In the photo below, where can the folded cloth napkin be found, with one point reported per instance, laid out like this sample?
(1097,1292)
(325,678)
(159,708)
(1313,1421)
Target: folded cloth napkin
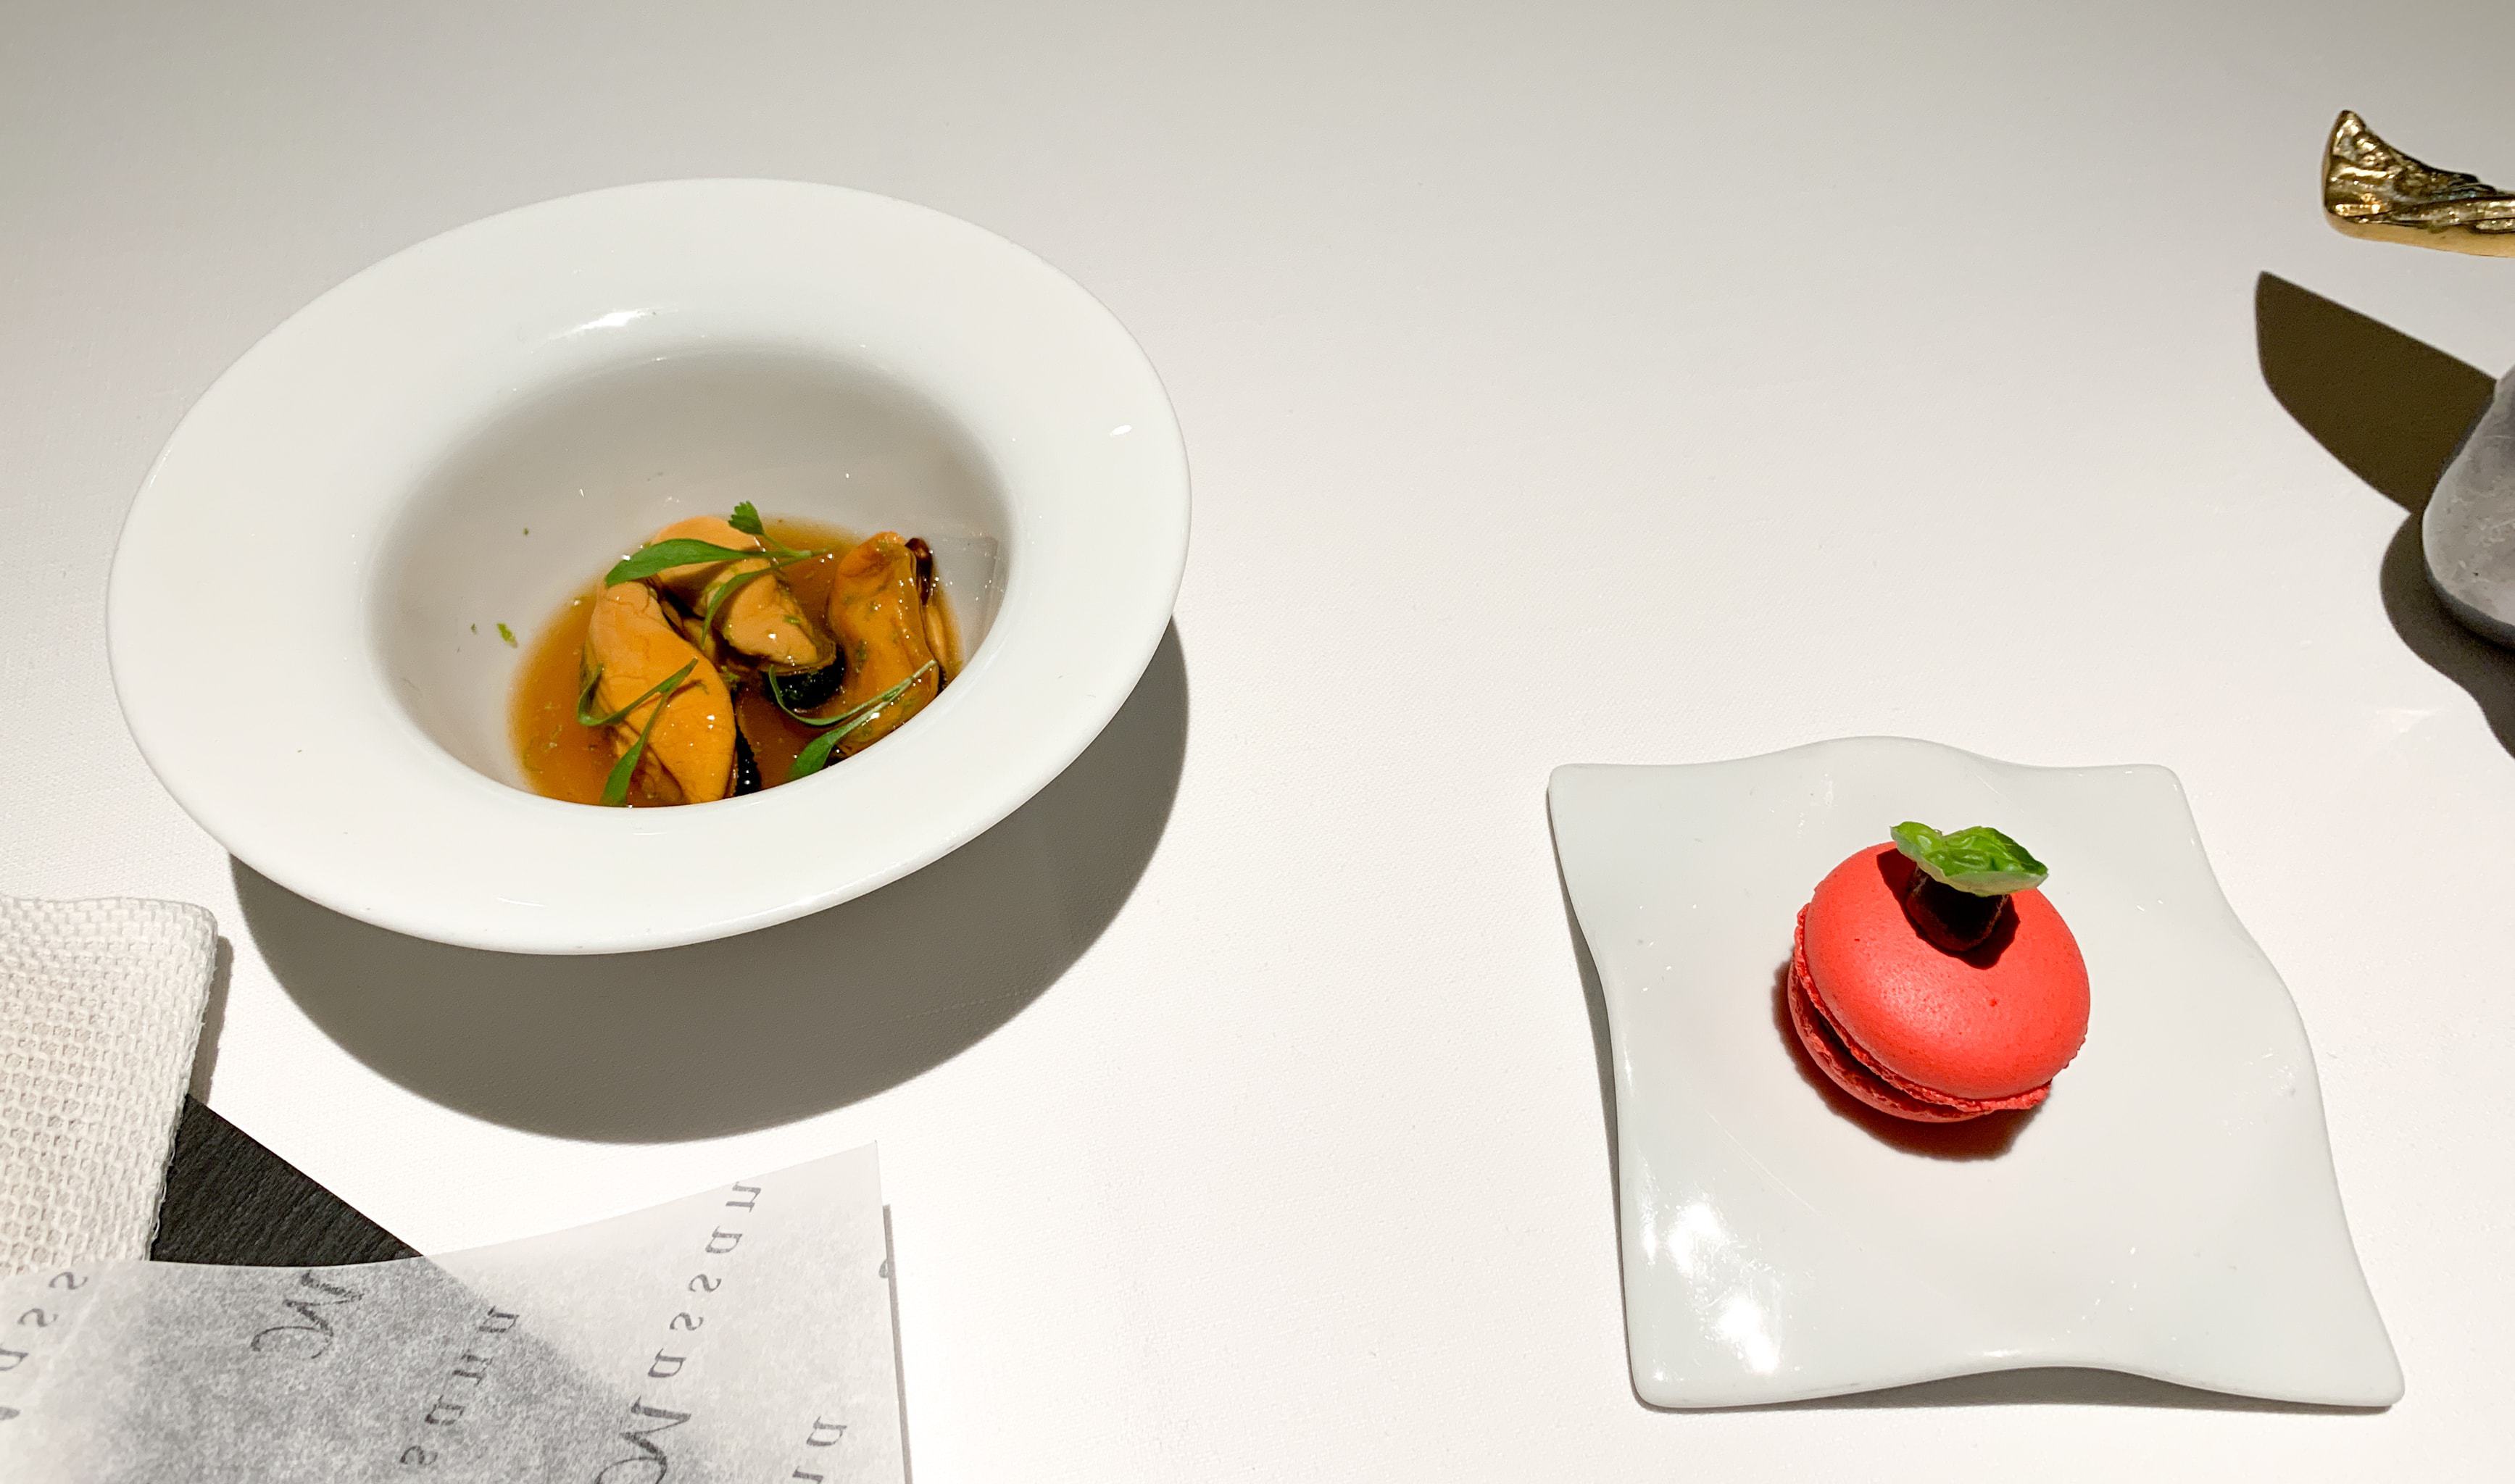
(100,1008)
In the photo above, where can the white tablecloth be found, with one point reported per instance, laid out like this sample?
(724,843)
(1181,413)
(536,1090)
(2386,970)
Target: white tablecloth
(1564,384)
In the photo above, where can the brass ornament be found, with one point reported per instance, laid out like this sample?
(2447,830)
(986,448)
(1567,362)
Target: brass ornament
(2371,189)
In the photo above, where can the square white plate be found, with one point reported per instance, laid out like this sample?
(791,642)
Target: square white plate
(2171,1212)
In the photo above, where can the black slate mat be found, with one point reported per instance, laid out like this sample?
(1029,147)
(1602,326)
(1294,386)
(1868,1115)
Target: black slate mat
(230,1199)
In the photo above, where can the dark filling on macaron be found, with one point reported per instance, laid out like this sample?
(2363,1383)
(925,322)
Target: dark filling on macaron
(1948,919)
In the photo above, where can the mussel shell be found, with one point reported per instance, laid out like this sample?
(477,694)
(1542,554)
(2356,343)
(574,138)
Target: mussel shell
(811,688)
(746,768)
(923,556)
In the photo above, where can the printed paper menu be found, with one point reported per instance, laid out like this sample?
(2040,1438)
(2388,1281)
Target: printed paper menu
(740,1334)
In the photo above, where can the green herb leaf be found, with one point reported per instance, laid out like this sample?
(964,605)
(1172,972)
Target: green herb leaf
(666,686)
(586,680)
(506,633)
(816,756)
(746,519)
(615,784)
(663,555)
(779,695)
(852,712)
(1980,860)
(724,589)
(733,583)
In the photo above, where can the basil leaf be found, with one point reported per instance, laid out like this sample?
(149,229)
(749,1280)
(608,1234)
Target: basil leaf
(1980,860)
(663,555)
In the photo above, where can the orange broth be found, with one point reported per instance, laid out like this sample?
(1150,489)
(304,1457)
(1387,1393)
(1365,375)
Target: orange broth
(564,759)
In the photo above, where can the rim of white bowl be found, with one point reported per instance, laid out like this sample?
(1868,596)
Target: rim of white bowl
(310,442)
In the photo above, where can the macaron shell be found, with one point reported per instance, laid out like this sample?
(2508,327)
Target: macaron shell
(1834,1059)
(1850,1068)
(1991,1024)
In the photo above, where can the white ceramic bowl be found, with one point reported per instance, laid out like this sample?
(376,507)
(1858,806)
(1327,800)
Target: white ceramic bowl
(303,610)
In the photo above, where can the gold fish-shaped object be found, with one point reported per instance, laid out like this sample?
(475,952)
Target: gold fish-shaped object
(2371,189)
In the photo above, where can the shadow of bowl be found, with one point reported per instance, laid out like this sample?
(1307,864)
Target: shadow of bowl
(750,1031)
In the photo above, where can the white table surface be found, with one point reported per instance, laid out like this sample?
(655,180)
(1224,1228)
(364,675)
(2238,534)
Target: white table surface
(1564,384)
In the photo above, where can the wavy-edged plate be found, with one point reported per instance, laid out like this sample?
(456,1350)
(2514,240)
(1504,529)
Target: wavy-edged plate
(2171,1212)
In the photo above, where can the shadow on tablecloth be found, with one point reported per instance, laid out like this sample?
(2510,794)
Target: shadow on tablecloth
(772,1026)
(2392,410)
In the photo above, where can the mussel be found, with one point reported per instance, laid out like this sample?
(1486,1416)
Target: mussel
(877,610)
(633,647)
(669,655)
(760,617)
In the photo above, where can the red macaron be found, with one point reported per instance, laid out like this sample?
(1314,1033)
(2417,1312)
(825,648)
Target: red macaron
(1912,1029)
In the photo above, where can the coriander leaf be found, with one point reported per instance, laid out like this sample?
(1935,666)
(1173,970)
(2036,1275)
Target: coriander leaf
(1980,860)
(746,519)
(664,555)
(506,633)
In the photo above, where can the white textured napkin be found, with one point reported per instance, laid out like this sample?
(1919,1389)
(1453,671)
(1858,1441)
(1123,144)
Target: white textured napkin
(99,1008)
